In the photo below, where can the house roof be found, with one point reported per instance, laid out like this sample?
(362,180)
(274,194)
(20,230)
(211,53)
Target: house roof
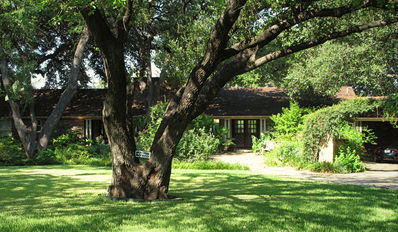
(229,102)
(264,101)
(86,102)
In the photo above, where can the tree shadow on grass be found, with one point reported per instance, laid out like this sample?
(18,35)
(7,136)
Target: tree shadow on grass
(214,201)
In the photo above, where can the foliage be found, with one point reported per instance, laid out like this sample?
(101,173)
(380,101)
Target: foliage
(290,121)
(197,144)
(11,151)
(355,139)
(389,107)
(68,148)
(348,161)
(202,138)
(259,143)
(361,61)
(293,146)
(69,137)
(321,167)
(45,157)
(326,122)
(290,153)
(207,123)
(146,135)
(78,153)
(286,153)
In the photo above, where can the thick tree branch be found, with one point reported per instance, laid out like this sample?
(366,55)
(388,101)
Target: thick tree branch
(274,30)
(217,43)
(98,27)
(320,40)
(21,128)
(246,61)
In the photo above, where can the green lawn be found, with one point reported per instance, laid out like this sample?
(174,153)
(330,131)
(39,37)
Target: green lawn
(65,198)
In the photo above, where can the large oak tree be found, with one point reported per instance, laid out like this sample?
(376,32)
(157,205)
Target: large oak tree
(246,35)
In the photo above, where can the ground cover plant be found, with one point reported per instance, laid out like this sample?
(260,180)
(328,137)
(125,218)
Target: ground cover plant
(65,198)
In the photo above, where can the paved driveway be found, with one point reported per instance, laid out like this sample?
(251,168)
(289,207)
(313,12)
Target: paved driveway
(381,175)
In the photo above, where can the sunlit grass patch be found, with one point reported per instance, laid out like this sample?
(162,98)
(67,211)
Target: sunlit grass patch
(65,198)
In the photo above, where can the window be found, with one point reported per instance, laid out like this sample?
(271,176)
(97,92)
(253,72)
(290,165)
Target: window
(5,127)
(252,125)
(239,126)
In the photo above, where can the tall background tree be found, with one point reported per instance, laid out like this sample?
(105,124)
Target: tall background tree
(31,43)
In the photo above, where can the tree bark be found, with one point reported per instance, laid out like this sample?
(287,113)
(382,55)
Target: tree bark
(26,135)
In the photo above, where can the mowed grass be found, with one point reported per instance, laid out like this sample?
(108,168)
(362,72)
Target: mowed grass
(65,198)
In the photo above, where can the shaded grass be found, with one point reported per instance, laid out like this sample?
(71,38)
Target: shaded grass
(65,198)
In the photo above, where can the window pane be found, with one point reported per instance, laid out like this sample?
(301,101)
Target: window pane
(239,126)
(252,124)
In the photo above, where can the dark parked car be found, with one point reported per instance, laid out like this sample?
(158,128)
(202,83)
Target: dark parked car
(386,153)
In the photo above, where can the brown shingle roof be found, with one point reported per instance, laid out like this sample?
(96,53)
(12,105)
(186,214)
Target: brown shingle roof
(86,102)
(264,101)
(229,102)
(248,101)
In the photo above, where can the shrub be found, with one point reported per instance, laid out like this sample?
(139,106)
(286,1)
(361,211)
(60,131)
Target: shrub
(259,143)
(197,144)
(70,137)
(11,152)
(290,121)
(72,148)
(347,161)
(300,136)
(287,152)
(202,138)
(320,167)
(46,157)
(83,154)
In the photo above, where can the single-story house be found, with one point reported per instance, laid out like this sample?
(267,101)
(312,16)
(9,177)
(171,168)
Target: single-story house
(244,111)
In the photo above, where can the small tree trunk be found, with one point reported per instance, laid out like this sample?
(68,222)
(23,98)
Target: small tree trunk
(26,136)
(67,94)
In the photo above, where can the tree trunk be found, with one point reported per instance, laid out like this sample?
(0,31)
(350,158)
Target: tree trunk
(26,135)
(67,94)
(149,180)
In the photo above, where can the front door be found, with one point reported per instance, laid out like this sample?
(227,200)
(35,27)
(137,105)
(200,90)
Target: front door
(243,130)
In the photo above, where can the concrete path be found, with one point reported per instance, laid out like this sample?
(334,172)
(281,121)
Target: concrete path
(381,175)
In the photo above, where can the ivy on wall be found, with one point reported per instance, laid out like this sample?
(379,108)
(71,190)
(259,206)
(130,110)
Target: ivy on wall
(325,123)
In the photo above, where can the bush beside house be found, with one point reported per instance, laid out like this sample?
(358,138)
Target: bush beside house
(301,133)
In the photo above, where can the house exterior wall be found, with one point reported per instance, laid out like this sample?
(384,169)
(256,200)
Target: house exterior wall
(5,127)
(328,151)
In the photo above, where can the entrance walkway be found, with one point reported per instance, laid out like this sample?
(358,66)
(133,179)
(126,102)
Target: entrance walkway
(381,175)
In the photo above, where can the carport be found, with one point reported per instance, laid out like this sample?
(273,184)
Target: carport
(387,134)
